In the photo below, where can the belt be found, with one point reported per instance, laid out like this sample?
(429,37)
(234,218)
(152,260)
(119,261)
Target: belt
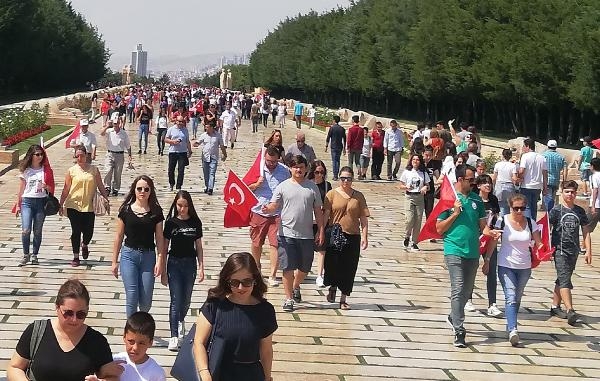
(121,152)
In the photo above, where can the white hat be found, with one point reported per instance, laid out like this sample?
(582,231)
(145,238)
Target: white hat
(552,144)
(84,122)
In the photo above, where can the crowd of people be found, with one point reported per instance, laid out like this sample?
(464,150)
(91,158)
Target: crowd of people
(300,213)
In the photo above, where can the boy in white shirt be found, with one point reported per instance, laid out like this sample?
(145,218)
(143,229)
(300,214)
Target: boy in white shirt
(138,337)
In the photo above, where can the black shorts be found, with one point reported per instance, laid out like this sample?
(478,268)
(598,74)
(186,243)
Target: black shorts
(565,266)
(295,254)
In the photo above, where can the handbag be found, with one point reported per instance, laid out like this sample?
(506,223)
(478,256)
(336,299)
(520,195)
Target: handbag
(334,235)
(51,205)
(101,207)
(184,368)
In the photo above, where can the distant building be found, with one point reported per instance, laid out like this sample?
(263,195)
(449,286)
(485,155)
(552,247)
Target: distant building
(139,61)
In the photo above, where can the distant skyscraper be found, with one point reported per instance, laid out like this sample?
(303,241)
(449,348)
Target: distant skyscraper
(139,61)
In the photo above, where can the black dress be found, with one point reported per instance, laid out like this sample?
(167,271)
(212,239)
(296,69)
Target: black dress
(242,327)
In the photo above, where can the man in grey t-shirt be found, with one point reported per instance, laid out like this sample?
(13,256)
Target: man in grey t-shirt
(299,199)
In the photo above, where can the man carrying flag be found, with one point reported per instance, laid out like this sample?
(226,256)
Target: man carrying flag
(460,228)
(263,225)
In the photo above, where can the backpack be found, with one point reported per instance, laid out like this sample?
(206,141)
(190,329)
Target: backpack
(535,262)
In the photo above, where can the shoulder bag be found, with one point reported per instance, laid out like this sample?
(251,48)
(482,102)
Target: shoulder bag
(51,205)
(39,327)
(334,236)
(101,208)
(184,368)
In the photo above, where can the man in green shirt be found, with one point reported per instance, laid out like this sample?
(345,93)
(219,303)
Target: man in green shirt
(461,227)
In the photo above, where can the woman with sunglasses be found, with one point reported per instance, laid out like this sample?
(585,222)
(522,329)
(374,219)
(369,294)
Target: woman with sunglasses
(516,231)
(183,231)
(69,349)
(140,223)
(347,207)
(237,312)
(276,140)
(36,182)
(318,174)
(77,198)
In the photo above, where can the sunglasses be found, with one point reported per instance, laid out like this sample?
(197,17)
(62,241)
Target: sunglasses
(140,189)
(80,315)
(519,208)
(469,179)
(235,283)
(344,178)
(38,154)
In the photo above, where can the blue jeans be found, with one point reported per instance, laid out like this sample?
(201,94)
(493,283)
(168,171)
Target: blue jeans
(548,198)
(532,196)
(137,272)
(143,133)
(513,283)
(335,159)
(182,275)
(462,273)
(194,121)
(209,169)
(32,215)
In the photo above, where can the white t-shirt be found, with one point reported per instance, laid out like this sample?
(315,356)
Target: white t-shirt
(148,371)
(312,112)
(161,122)
(228,118)
(414,180)
(514,250)
(595,183)
(504,171)
(448,168)
(534,165)
(34,178)
(366,148)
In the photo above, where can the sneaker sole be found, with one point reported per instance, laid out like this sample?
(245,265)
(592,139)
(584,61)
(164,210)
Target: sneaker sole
(460,345)
(573,320)
(514,340)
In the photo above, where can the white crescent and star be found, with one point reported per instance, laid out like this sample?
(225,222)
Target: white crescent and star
(239,190)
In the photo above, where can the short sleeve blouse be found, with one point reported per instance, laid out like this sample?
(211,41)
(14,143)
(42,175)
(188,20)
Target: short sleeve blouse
(140,229)
(346,212)
(83,188)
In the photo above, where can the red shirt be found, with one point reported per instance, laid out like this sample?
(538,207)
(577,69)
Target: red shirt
(356,137)
(377,139)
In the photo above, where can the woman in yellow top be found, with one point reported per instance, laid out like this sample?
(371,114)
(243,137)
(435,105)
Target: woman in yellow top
(348,208)
(77,197)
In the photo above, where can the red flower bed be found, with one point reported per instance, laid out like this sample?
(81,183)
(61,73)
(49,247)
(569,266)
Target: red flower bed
(23,135)
(319,123)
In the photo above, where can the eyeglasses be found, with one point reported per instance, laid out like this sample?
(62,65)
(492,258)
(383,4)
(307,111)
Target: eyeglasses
(319,172)
(235,283)
(519,208)
(38,154)
(80,315)
(145,189)
(344,178)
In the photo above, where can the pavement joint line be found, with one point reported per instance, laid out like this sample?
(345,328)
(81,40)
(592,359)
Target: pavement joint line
(530,361)
(538,352)
(33,274)
(5,318)
(317,340)
(449,374)
(388,322)
(497,366)
(14,292)
(15,305)
(486,326)
(361,360)
(368,327)
(384,353)
(296,317)
(405,336)
(580,373)
(341,377)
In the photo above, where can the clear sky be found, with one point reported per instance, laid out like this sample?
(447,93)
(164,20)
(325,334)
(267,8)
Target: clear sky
(189,27)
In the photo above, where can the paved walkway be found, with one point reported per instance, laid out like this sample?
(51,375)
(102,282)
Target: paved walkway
(395,331)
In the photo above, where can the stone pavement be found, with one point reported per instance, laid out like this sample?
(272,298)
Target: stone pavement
(396,329)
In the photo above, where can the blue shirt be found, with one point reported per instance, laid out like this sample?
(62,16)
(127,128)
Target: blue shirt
(298,109)
(265,191)
(176,133)
(555,162)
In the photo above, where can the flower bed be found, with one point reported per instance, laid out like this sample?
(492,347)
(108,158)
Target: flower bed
(17,125)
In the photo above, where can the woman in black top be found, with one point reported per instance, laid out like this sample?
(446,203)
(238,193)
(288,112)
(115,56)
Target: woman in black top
(276,141)
(141,223)
(145,120)
(69,350)
(318,174)
(240,315)
(183,229)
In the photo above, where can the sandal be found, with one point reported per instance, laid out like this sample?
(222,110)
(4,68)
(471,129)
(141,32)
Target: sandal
(331,295)
(344,306)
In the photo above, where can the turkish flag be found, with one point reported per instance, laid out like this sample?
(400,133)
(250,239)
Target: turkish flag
(74,135)
(544,254)
(256,169)
(484,240)
(596,143)
(447,199)
(240,200)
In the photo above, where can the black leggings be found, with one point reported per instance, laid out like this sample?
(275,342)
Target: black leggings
(160,138)
(265,119)
(82,223)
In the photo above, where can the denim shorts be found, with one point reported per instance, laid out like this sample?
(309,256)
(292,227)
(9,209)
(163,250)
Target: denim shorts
(364,161)
(585,174)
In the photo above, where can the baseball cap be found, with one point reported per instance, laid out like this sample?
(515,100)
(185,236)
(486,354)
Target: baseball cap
(552,143)
(84,122)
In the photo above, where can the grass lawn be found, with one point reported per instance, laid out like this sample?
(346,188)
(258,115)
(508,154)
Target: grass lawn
(47,135)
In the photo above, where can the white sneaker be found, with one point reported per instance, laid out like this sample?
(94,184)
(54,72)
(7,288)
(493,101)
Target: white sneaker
(513,338)
(319,281)
(494,311)
(181,330)
(470,307)
(173,344)
(273,282)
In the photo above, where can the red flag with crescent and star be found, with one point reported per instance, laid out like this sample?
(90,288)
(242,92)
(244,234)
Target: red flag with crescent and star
(240,200)
(447,198)
(74,135)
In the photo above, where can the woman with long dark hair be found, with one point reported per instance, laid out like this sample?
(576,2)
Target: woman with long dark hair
(318,174)
(415,181)
(145,119)
(276,140)
(347,207)
(240,315)
(183,230)
(140,222)
(36,182)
